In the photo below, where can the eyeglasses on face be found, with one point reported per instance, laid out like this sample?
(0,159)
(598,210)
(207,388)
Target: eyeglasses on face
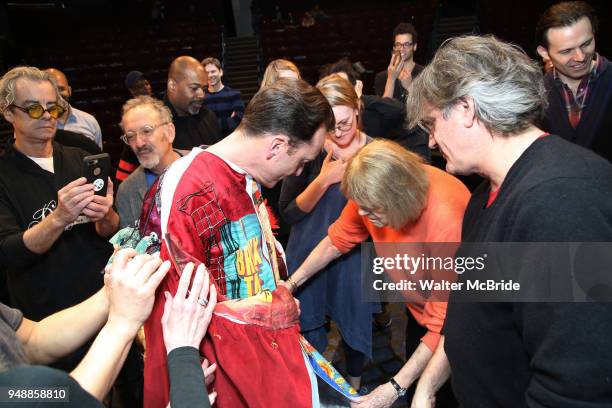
(344,127)
(399,45)
(426,126)
(36,111)
(146,131)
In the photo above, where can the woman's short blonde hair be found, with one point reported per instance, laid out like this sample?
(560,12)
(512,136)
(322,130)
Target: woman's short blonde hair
(383,176)
(272,71)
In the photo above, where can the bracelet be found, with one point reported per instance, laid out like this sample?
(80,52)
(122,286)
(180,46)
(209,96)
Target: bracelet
(292,283)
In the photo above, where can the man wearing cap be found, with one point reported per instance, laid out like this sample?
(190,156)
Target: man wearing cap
(75,120)
(137,84)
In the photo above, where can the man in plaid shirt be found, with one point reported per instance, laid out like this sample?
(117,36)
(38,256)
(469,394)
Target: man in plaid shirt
(580,83)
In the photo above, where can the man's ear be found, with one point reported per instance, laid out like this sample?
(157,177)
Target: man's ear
(543,52)
(276,145)
(414,47)
(171,132)
(468,111)
(171,84)
(8,115)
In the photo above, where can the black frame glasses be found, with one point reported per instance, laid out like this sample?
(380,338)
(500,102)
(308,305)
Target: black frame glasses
(399,46)
(36,111)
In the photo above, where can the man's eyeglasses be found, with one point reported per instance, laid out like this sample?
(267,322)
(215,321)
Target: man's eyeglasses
(37,110)
(146,131)
(425,126)
(399,45)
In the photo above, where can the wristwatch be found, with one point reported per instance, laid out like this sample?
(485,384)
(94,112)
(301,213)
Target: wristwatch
(400,391)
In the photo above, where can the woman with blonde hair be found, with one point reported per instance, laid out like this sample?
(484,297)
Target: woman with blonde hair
(311,202)
(394,198)
(279,68)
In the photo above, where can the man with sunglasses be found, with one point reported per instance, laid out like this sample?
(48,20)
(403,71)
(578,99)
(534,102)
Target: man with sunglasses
(149,133)
(53,229)
(394,82)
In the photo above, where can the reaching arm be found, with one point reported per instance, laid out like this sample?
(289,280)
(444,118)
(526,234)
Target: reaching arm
(385,395)
(184,323)
(321,255)
(433,377)
(63,332)
(131,282)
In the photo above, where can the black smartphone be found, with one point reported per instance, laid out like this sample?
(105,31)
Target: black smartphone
(96,170)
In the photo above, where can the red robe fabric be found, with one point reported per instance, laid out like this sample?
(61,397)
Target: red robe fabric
(211,213)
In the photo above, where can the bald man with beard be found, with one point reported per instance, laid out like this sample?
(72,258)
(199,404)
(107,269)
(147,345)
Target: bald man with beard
(195,124)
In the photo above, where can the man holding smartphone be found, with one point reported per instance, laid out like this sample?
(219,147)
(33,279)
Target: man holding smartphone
(53,228)
(394,82)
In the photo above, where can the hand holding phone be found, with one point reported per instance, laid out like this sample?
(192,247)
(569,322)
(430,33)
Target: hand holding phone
(96,170)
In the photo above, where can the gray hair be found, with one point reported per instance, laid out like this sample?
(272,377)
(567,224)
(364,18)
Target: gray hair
(8,81)
(506,86)
(144,100)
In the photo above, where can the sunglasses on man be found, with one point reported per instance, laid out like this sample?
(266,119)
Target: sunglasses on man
(37,110)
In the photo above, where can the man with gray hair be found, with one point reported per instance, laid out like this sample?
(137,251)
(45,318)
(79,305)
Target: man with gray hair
(480,100)
(53,229)
(149,132)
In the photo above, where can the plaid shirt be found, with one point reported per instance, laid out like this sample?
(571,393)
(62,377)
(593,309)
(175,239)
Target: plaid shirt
(574,104)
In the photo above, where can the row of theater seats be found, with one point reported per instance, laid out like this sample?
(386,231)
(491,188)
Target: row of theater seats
(362,35)
(96,65)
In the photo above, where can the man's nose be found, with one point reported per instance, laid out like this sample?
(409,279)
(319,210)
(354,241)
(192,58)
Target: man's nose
(579,55)
(432,142)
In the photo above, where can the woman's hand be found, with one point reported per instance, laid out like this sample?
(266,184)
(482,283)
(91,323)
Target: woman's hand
(332,170)
(187,315)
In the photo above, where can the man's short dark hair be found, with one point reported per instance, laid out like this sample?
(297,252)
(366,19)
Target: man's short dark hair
(563,15)
(289,107)
(211,60)
(405,28)
(342,65)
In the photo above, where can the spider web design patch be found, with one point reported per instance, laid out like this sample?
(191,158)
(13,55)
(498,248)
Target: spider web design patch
(212,227)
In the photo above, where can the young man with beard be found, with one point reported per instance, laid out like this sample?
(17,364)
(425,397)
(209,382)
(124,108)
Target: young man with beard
(149,132)
(580,83)
(394,82)
(224,101)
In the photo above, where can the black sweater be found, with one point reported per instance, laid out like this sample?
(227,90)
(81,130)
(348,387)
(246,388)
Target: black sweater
(69,272)
(537,354)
